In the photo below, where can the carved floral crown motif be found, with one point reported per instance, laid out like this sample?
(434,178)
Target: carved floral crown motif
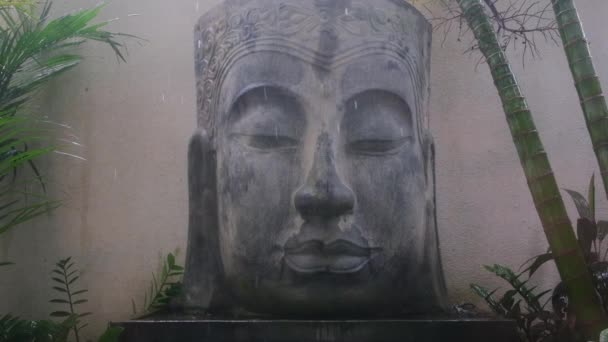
(219,35)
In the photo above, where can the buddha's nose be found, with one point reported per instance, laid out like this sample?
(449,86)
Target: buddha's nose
(324,194)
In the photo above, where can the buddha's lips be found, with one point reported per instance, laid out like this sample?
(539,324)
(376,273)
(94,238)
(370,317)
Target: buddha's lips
(339,256)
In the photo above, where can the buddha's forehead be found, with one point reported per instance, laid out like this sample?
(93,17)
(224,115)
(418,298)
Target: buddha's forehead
(307,80)
(348,44)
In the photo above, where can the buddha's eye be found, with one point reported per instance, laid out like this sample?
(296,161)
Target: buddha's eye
(377,146)
(267,142)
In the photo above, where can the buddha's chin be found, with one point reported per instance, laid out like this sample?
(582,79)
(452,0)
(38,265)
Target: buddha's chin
(320,295)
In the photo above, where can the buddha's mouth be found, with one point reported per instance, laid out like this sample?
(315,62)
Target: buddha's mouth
(339,256)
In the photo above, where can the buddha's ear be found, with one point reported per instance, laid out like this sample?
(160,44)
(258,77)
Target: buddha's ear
(432,250)
(428,154)
(202,279)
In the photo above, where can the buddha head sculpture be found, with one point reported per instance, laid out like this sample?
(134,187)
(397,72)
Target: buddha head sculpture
(311,173)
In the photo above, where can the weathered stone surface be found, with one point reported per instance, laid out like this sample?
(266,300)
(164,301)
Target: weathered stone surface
(421,330)
(311,173)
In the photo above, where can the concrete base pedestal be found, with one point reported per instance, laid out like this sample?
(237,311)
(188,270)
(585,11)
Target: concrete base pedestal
(398,330)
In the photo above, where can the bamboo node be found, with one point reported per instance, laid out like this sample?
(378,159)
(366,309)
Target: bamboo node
(594,121)
(571,64)
(591,98)
(519,111)
(567,252)
(558,14)
(574,41)
(538,178)
(548,201)
(600,145)
(585,79)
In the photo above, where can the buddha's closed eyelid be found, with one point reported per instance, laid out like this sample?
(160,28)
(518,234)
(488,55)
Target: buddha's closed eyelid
(378,147)
(263,142)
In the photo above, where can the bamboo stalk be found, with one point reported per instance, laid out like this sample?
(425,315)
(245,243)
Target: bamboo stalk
(542,184)
(586,80)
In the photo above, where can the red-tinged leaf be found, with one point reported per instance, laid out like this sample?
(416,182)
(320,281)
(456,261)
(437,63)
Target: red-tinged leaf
(602,230)
(582,206)
(586,231)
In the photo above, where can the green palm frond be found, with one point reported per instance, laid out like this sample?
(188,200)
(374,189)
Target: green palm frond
(34,49)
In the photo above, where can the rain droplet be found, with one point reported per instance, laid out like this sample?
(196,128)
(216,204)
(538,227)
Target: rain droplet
(133,15)
(356,105)
(197,6)
(163,98)
(276,133)
(265,95)
(199,43)
(346,11)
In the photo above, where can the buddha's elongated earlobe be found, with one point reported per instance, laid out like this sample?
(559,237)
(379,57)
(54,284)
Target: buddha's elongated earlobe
(203,264)
(432,250)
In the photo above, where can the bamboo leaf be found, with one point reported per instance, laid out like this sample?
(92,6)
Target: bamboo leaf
(80,301)
(60,314)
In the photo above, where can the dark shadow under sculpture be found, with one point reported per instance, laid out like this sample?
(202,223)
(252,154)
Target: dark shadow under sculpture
(311,172)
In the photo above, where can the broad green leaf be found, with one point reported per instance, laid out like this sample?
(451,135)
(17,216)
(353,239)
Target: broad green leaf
(112,334)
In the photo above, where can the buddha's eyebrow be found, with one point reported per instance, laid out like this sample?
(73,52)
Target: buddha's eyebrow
(373,92)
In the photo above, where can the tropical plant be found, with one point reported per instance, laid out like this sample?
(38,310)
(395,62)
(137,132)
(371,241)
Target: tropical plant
(591,234)
(34,50)
(570,262)
(15,329)
(65,276)
(163,288)
(586,81)
(527,306)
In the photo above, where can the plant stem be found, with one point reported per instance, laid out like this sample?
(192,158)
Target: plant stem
(586,81)
(539,175)
(69,292)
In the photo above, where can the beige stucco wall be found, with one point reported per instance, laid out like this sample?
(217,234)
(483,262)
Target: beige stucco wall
(126,205)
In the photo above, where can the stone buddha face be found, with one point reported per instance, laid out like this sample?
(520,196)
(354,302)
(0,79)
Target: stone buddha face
(312,177)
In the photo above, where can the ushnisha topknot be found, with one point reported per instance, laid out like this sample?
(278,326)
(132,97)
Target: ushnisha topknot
(322,32)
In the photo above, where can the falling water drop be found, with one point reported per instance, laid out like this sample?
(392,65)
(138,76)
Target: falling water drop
(276,133)
(265,95)
(163,97)
(346,11)
(197,5)
(356,106)
(199,43)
